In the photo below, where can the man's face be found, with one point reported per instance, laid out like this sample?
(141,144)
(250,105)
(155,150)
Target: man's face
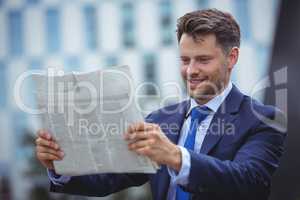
(204,66)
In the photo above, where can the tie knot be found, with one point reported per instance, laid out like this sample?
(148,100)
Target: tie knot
(200,113)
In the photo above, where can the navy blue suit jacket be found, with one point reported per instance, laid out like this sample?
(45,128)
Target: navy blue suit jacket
(237,159)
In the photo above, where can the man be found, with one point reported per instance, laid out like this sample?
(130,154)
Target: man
(215,145)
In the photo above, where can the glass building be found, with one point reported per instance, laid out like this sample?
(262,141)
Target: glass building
(84,35)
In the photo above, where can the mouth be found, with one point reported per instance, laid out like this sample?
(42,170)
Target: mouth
(194,82)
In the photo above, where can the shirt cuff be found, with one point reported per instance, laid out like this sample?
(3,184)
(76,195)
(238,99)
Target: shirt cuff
(182,178)
(57,179)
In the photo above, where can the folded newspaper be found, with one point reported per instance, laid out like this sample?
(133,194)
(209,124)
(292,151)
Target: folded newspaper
(88,113)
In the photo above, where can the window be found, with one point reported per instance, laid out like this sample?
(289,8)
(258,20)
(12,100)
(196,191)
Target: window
(128,24)
(53,30)
(150,73)
(33,2)
(91,26)
(35,64)
(168,31)
(72,63)
(15,32)
(111,60)
(243,18)
(203,4)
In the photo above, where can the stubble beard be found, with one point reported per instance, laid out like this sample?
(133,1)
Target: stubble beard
(208,89)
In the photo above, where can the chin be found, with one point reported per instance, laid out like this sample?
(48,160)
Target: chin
(202,93)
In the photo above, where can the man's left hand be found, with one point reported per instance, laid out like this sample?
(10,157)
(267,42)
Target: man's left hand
(148,139)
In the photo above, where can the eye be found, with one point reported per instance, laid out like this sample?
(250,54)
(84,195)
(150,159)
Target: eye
(204,60)
(185,61)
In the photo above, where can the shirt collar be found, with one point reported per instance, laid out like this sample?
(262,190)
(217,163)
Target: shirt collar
(215,102)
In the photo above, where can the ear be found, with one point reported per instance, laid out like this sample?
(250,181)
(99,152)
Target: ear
(233,57)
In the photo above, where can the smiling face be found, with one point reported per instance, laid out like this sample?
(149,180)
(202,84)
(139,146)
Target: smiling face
(204,66)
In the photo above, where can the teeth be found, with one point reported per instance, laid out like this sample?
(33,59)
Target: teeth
(197,80)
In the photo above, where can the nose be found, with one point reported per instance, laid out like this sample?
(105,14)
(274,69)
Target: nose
(192,68)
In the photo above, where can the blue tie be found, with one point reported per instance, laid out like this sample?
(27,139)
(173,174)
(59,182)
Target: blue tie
(198,114)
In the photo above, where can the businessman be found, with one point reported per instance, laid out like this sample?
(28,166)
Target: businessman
(221,146)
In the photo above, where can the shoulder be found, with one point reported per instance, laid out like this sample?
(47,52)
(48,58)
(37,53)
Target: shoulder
(261,114)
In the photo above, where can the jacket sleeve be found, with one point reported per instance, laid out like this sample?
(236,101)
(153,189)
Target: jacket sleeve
(248,175)
(99,185)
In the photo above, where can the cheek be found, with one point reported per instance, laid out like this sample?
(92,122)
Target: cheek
(215,71)
(218,77)
(183,71)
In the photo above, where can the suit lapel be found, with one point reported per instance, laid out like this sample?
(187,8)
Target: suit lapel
(222,120)
(175,121)
(216,130)
(173,124)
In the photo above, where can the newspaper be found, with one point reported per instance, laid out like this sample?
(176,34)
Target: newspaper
(88,113)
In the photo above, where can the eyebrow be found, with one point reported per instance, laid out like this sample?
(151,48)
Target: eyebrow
(204,56)
(199,56)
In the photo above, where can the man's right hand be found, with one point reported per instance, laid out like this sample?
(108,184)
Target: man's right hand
(47,150)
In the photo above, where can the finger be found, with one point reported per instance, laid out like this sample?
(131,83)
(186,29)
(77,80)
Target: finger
(42,149)
(47,156)
(145,151)
(44,134)
(140,144)
(48,143)
(138,135)
(135,127)
(141,126)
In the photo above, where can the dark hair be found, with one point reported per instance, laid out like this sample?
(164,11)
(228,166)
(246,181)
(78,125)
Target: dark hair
(201,22)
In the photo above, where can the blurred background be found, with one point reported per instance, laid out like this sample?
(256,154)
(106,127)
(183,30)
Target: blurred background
(81,35)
